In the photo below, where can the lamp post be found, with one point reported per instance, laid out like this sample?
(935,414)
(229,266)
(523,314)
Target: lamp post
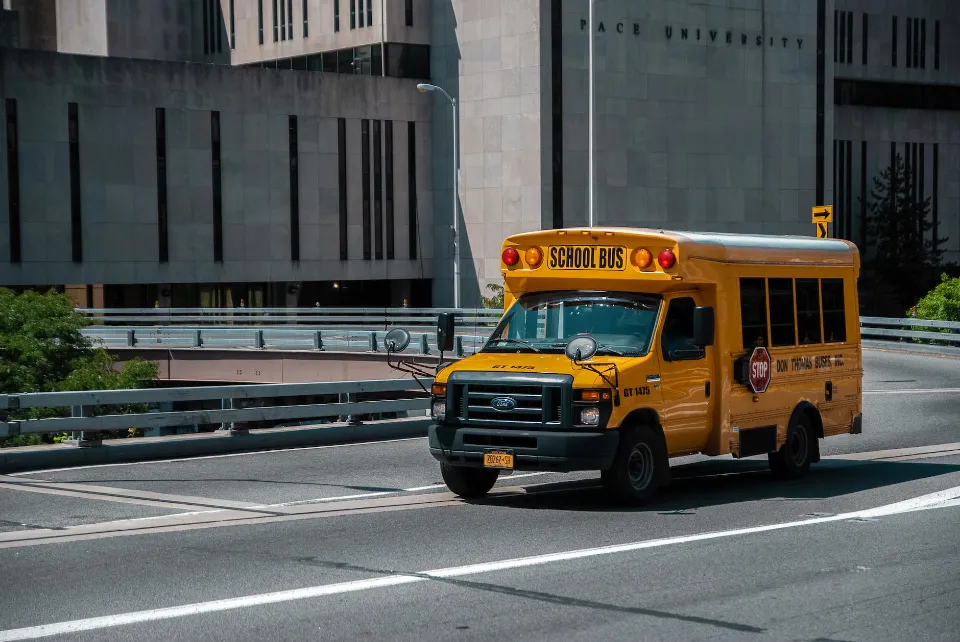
(590,133)
(425,87)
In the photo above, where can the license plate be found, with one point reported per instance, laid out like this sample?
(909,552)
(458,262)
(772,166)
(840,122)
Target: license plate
(587,257)
(498,459)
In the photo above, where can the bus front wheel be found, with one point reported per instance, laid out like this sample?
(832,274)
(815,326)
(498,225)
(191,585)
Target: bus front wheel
(795,455)
(468,483)
(639,467)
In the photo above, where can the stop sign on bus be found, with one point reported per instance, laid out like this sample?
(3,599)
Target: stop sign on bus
(760,370)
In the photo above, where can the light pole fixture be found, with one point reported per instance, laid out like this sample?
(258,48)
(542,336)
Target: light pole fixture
(426,87)
(590,134)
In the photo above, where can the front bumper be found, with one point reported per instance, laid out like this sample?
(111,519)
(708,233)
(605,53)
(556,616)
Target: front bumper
(532,449)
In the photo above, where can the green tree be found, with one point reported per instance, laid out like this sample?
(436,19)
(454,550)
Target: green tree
(43,350)
(904,259)
(940,304)
(496,300)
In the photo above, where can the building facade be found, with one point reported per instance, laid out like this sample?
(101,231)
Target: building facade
(203,151)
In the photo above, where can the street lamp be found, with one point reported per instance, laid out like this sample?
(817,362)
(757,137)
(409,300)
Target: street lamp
(590,134)
(425,87)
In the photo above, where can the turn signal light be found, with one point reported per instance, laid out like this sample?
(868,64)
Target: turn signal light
(533,256)
(439,389)
(667,259)
(595,395)
(642,258)
(510,256)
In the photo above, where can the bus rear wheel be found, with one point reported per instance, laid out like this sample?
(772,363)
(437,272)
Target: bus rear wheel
(639,467)
(469,483)
(793,459)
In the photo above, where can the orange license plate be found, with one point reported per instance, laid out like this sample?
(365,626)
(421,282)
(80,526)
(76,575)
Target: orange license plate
(498,459)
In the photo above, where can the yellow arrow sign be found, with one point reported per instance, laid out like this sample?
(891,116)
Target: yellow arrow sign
(823,214)
(821,230)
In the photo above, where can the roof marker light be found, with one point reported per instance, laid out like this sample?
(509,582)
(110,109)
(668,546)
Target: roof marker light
(510,256)
(667,259)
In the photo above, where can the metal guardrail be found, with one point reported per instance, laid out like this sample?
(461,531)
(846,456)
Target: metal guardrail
(273,338)
(365,318)
(911,334)
(229,397)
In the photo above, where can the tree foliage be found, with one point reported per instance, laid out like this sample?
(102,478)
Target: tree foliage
(496,300)
(942,303)
(43,350)
(904,258)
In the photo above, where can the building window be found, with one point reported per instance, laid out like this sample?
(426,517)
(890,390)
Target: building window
(283,19)
(336,16)
(893,47)
(217,19)
(782,313)
(753,312)
(206,27)
(276,23)
(910,44)
(306,29)
(388,180)
(294,192)
(834,318)
(365,186)
(162,224)
(217,187)
(936,44)
(378,189)
(413,230)
(13,180)
(233,27)
(408,12)
(369,13)
(843,36)
(289,19)
(76,229)
(342,183)
(353,14)
(935,197)
(923,43)
(361,13)
(260,20)
(864,39)
(408,61)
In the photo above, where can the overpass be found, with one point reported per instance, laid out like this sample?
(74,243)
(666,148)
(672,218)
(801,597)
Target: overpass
(361,540)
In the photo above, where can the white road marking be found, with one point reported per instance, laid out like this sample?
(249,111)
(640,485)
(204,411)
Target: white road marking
(913,391)
(939,499)
(223,456)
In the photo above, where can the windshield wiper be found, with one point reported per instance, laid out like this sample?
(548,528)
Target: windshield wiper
(519,341)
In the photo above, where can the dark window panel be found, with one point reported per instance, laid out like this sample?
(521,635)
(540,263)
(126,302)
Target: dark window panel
(916,42)
(306,28)
(848,206)
(217,187)
(865,39)
(76,223)
(909,43)
(834,313)
(342,184)
(289,19)
(336,16)
(13,180)
(365,188)
(837,35)
(753,312)
(388,181)
(378,189)
(361,13)
(370,13)
(276,23)
(808,311)
(849,56)
(294,191)
(260,20)
(408,13)
(215,23)
(233,26)
(936,44)
(863,194)
(782,313)
(923,44)
(162,221)
(353,14)
(408,61)
(206,26)
(897,95)
(412,212)
(935,196)
(893,48)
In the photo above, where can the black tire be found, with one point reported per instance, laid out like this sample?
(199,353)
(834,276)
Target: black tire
(468,483)
(639,468)
(793,459)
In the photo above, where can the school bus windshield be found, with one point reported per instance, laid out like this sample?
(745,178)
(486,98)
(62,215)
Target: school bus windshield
(622,323)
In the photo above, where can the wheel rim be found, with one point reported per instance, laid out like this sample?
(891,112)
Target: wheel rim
(640,466)
(798,446)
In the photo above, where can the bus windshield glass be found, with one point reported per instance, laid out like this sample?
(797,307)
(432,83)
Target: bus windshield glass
(622,323)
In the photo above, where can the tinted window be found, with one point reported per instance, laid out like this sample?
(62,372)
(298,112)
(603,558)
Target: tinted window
(808,311)
(834,319)
(677,336)
(753,312)
(782,331)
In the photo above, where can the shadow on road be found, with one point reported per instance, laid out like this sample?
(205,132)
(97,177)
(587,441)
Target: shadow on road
(713,483)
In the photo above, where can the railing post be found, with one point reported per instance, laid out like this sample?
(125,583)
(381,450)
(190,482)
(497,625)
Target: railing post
(458,345)
(317,340)
(346,397)
(373,342)
(131,339)
(258,339)
(197,339)
(80,438)
(424,344)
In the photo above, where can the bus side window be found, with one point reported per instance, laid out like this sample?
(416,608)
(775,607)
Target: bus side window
(753,312)
(808,311)
(834,317)
(677,337)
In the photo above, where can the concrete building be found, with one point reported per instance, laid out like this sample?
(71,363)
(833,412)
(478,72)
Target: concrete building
(720,115)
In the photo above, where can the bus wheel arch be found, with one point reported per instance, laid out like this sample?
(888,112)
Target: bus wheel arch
(813,414)
(801,448)
(640,432)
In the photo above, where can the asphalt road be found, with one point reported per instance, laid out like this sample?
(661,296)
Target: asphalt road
(362,541)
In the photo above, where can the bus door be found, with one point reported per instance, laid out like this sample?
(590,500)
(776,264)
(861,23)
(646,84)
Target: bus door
(685,378)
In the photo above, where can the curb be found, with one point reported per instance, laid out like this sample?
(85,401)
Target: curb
(186,446)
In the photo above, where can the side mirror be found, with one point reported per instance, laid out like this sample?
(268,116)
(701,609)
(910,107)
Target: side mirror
(704,326)
(581,348)
(397,340)
(446,326)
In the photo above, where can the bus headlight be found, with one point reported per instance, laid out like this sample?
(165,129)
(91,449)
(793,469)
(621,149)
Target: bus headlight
(590,416)
(439,408)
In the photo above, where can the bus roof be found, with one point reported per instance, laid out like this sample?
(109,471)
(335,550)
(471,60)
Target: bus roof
(724,247)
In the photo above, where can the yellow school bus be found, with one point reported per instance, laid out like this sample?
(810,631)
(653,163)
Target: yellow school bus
(621,348)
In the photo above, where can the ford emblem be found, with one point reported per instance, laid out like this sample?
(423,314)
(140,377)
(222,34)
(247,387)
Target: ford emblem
(503,404)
